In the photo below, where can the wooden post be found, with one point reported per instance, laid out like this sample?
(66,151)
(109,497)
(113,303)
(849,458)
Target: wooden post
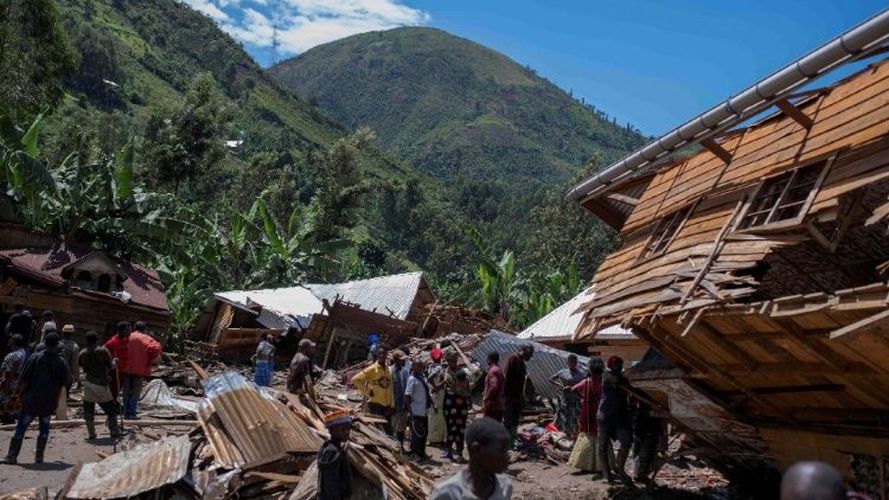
(329,347)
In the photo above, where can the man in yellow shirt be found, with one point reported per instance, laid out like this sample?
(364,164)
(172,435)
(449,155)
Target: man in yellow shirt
(375,383)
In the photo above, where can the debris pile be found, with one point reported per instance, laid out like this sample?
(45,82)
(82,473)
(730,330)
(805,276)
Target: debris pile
(251,443)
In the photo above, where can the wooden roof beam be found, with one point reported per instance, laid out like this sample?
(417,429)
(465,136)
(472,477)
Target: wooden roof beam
(622,198)
(794,112)
(717,150)
(813,344)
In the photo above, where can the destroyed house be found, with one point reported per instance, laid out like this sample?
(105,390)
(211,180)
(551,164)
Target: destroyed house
(337,316)
(757,269)
(82,286)
(557,328)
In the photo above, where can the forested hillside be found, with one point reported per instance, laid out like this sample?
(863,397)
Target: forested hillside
(141,128)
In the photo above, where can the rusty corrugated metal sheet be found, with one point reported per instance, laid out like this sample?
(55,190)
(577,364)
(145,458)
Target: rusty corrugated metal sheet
(126,474)
(245,427)
(545,362)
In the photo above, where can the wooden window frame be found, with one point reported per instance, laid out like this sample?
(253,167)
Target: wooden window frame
(688,210)
(804,209)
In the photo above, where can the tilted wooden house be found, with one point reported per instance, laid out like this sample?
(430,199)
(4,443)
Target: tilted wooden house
(758,268)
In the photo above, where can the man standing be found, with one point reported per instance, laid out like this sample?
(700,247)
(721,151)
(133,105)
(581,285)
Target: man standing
(264,361)
(142,352)
(418,400)
(118,346)
(44,375)
(97,365)
(334,470)
(302,369)
(69,350)
(514,393)
(488,444)
(375,383)
(613,419)
(401,371)
(492,400)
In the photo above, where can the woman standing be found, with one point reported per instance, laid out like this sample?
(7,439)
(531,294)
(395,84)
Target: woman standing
(589,391)
(435,375)
(569,403)
(10,371)
(456,405)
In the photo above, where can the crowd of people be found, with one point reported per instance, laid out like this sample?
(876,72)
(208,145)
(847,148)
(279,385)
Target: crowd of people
(43,364)
(430,396)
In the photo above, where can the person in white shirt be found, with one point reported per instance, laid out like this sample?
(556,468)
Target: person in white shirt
(418,400)
(484,478)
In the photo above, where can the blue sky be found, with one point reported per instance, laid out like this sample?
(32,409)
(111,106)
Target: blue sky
(653,64)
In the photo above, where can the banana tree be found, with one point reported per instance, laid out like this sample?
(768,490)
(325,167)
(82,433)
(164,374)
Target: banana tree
(496,276)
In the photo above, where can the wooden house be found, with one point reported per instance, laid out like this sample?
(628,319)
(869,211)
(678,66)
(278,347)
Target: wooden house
(81,286)
(757,268)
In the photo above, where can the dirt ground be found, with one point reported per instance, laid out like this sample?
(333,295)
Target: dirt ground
(532,480)
(66,448)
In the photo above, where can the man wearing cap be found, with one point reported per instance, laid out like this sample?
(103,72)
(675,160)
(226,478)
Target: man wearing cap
(334,471)
(69,350)
(302,369)
(514,373)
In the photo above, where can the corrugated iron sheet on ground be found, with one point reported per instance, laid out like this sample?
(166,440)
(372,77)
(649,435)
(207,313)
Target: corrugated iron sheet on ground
(244,427)
(144,468)
(545,362)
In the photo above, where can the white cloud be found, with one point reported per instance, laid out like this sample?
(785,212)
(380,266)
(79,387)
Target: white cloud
(303,24)
(210,8)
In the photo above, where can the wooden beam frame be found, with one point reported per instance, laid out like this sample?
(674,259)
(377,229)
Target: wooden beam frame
(733,350)
(849,330)
(794,112)
(622,198)
(813,344)
(717,150)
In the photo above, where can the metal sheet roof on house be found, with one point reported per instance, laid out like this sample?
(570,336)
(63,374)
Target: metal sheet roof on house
(281,308)
(144,468)
(562,322)
(390,295)
(545,362)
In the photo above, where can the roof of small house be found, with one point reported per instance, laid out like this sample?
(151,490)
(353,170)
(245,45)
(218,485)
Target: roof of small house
(562,322)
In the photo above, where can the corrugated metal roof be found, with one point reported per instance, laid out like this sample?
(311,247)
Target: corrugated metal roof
(545,362)
(562,322)
(388,295)
(129,473)
(281,307)
(244,427)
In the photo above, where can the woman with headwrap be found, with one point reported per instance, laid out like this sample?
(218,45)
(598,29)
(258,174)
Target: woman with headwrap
(435,375)
(585,454)
(456,405)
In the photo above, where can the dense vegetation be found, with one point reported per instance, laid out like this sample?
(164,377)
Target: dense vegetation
(140,128)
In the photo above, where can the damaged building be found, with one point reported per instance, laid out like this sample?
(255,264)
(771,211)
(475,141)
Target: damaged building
(557,328)
(338,316)
(757,268)
(85,287)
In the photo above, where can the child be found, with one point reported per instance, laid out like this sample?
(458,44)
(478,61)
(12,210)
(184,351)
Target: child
(418,400)
(334,471)
(488,442)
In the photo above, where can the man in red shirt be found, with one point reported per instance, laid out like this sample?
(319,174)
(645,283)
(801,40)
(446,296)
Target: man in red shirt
(136,352)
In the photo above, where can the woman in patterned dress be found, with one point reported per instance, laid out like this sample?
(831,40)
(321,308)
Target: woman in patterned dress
(584,454)
(10,371)
(456,405)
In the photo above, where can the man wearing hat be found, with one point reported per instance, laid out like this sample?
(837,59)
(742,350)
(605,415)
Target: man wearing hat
(334,471)
(302,369)
(70,351)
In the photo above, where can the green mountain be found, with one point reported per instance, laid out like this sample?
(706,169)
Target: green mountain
(454,108)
